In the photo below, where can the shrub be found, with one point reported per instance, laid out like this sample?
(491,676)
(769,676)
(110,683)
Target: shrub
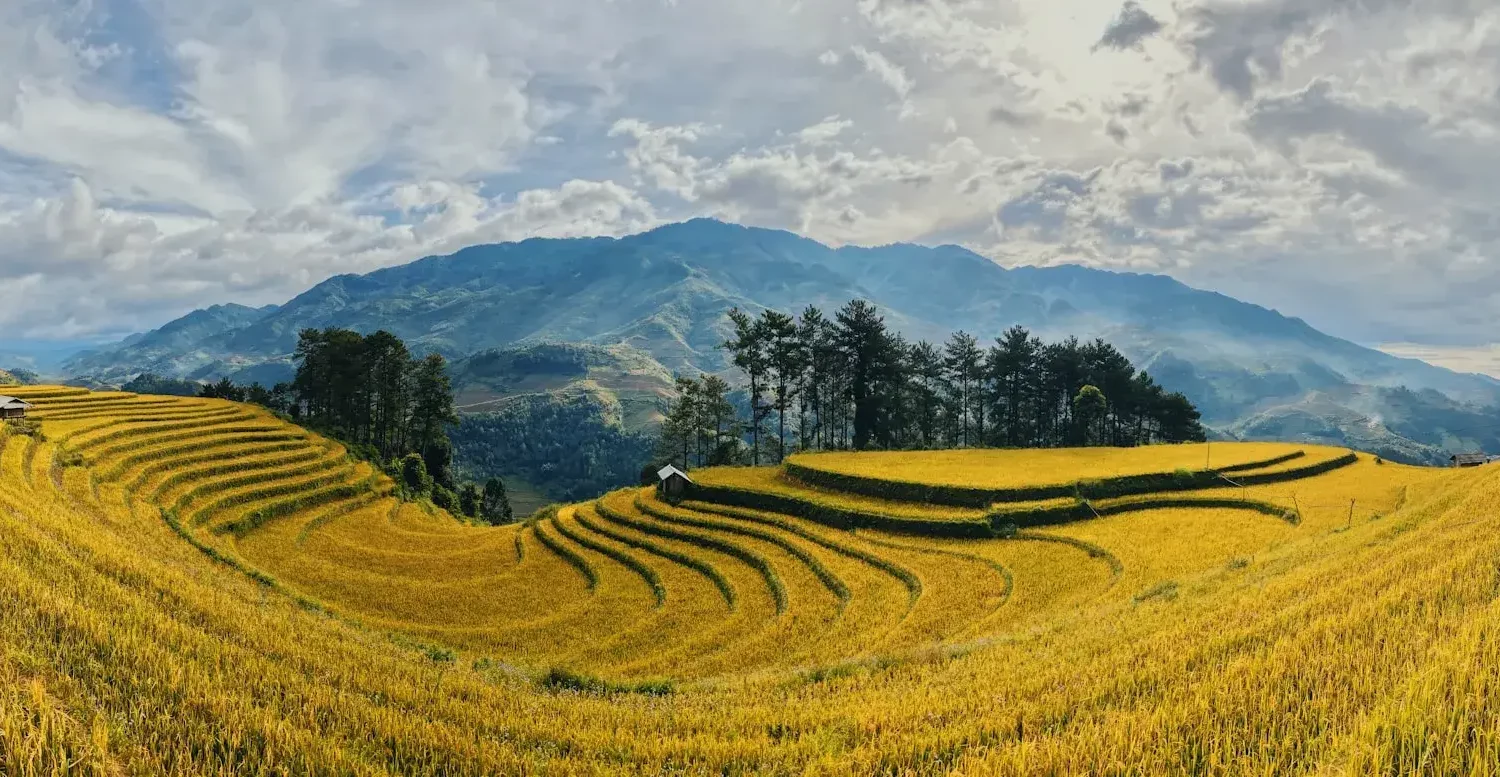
(1165,590)
(444,498)
(414,475)
(26,429)
(469,500)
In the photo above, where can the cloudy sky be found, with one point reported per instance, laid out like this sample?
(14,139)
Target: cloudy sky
(1338,160)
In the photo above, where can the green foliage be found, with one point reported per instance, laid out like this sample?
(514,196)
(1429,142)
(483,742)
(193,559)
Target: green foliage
(837,517)
(439,656)
(1105,488)
(469,500)
(563,445)
(1165,591)
(700,428)
(224,389)
(1089,409)
(494,504)
(151,383)
(414,477)
(19,377)
(25,428)
(445,498)
(367,390)
(559,679)
(853,383)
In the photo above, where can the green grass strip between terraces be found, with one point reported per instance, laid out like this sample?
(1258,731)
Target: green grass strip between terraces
(342,508)
(226,444)
(656,549)
(635,565)
(790,525)
(209,501)
(618,507)
(562,551)
(666,513)
(283,470)
(831,472)
(767,489)
(129,440)
(200,465)
(113,431)
(333,490)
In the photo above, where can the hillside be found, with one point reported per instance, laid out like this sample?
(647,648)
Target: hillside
(1252,371)
(192,586)
(630,385)
(183,348)
(15,375)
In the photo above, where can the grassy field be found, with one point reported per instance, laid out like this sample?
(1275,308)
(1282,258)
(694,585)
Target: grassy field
(192,587)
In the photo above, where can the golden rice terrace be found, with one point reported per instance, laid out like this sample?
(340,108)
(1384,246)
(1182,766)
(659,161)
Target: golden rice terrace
(194,587)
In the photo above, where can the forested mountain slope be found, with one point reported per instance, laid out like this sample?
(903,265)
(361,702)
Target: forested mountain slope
(1253,372)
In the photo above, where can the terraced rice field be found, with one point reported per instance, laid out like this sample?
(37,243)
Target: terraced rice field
(195,587)
(1030,468)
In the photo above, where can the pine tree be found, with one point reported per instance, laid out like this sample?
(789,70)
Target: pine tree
(716,417)
(749,354)
(468,500)
(962,360)
(1089,408)
(862,339)
(860,385)
(494,504)
(432,411)
(679,429)
(786,360)
(927,387)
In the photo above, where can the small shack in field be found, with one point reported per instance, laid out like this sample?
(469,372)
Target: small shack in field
(1468,459)
(10,407)
(672,483)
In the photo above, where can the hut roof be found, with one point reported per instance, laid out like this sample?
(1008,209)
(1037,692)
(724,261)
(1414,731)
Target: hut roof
(11,403)
(1469,458)
(669,470)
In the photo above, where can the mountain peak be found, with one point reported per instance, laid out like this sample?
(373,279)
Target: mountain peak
(667,292)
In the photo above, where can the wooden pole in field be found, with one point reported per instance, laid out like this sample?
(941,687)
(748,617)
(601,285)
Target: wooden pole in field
(1350,522)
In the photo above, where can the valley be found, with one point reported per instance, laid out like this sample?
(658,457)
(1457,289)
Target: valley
(620,317)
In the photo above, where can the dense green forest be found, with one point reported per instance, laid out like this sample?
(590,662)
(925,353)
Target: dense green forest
(560,444)
(151,383)
(849,382)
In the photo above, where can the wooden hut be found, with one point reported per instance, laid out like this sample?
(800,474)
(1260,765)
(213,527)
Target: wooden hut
(10,407)
(672,483)
(1468,459)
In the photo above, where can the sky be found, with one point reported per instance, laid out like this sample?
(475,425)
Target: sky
(1337,160)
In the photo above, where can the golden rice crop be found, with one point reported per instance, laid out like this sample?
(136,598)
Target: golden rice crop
(985,468)
(1179,641)
(770,480)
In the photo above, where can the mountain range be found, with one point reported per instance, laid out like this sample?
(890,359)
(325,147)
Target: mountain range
(642,307)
